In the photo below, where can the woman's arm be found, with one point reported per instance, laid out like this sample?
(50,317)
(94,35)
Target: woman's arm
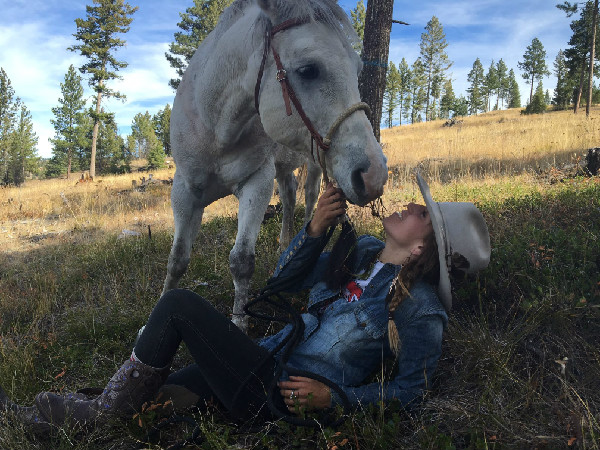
(331,208)
(310,241)
(419,354)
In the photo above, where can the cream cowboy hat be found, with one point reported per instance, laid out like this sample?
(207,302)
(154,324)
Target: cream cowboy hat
(462,238)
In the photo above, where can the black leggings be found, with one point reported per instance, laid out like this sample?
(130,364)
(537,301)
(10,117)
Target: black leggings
(229,365)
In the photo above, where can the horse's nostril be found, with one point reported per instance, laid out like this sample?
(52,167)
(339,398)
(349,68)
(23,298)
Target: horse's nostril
(358,184)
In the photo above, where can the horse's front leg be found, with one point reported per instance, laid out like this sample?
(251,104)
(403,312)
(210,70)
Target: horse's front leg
(253,195)
(187,215)
(288,185)
(311,188)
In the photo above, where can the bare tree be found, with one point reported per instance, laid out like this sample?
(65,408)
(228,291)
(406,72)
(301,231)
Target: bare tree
(376,49)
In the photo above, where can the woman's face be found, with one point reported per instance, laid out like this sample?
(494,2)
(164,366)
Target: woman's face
(408,227)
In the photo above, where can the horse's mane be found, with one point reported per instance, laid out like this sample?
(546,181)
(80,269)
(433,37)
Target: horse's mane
(325,11)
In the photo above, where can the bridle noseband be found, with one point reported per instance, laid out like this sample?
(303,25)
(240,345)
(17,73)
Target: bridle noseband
(289,95)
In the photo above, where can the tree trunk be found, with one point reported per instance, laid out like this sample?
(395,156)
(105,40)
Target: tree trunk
(69,164)
(531,92)
(376,48)
(580,88)
(592,57)
(95,135)
(428,93)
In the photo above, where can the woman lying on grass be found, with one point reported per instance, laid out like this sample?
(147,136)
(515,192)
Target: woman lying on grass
(391,300)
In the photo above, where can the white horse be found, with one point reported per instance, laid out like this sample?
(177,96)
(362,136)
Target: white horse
(232,113)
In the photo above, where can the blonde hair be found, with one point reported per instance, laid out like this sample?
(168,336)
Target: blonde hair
(426,266)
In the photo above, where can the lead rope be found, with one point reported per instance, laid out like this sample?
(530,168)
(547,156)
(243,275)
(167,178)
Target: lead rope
(274,288)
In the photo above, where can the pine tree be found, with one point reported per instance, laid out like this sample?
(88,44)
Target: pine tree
(196,23)
(435,61)
(390,95)
(580,46)
(144,136)
(538,103)
(7,112)
(461,107)
(564,86)
(21,155)
(97,34)
(448,101)
(7,120)
(112,153)
(358,17)
(68,117)
(84,139)
(156,156)
(514,94)
(476,89)
(375,54)
(490,85)
(502,73)
(534,64)
(404,97)
(418,92)
(162,125)
(436,93)
(593,55)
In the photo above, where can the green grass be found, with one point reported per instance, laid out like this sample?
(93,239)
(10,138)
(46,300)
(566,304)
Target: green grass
(69,314)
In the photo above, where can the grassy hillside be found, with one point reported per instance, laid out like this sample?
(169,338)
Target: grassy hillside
(491,144)
(521,363)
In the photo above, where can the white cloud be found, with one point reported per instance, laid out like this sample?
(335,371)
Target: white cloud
(36,62)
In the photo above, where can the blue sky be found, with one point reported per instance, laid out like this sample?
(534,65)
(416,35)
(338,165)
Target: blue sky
(35,34)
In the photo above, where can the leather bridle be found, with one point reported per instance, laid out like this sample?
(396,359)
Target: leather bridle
(289,95)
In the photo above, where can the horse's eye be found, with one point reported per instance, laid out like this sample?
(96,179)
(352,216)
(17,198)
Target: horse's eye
(309,72)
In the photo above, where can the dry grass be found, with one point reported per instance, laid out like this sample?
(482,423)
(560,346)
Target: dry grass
(59,209)
(499,144)
(72,297)
(492,143)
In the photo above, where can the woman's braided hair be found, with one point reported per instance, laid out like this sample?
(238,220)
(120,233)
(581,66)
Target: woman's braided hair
(426,266)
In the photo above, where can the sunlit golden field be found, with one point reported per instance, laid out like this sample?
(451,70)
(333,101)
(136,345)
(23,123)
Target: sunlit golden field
(493,145)
(65,210)
(497,142)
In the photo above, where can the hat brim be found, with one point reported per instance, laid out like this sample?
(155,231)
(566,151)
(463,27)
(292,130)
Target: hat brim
(437,221)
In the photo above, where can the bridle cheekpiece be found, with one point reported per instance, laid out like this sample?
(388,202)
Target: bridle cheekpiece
(289,95)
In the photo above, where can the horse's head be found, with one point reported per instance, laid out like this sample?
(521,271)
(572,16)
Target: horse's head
(322,68)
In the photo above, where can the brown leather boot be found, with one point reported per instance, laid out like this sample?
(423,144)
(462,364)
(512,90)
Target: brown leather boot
(128,389)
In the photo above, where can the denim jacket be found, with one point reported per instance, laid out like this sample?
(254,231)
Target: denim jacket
(347,341)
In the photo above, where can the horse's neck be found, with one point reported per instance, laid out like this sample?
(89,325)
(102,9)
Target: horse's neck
(229,69)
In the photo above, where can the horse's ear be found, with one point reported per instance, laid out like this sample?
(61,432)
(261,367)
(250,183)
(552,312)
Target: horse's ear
(269,8)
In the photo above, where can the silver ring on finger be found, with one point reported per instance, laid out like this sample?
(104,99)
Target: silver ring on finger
(292,395)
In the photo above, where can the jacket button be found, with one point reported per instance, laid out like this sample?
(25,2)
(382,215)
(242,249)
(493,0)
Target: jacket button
(362,324)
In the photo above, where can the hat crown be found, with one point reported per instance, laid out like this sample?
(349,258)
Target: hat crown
(466,233)
(462,238)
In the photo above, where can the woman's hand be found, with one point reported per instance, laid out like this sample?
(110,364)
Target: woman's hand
(301,393)
(331,207)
